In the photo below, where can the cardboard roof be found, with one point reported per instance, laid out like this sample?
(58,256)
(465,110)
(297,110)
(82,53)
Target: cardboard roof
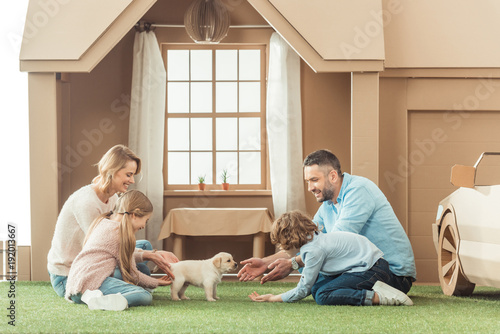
(74,36)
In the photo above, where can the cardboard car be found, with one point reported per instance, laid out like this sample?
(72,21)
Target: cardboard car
(466,233)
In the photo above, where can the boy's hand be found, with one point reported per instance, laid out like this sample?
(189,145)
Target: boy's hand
(264,298)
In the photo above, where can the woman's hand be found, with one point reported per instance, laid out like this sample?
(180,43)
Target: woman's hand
(162,259)
(255,297)
(168,256)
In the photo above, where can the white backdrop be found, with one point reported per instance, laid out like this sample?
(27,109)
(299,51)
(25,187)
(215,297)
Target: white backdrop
(14,137)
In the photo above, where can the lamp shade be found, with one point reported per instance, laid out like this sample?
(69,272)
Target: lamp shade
(207,21)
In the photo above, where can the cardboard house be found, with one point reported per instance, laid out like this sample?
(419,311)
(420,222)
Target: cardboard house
(399,90)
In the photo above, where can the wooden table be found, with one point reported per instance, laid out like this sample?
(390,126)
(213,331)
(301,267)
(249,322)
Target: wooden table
(217,222)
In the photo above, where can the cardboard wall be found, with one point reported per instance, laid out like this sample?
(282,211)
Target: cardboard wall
(326,118)
(97,115)
(43,178)
(427,126)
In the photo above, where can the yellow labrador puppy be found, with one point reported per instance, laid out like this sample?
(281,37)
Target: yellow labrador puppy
(205,274)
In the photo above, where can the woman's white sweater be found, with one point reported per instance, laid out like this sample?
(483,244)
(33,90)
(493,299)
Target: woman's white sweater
(75,218)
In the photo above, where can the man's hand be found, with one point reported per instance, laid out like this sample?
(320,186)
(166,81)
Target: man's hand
(281,268)
(255,297)
(252,269)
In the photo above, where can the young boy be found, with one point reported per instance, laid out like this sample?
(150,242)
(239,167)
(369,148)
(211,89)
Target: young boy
(340,268)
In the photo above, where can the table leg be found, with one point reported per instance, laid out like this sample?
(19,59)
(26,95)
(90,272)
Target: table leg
(259,240)
(178,246)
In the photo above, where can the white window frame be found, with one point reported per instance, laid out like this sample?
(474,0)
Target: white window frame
(262,115)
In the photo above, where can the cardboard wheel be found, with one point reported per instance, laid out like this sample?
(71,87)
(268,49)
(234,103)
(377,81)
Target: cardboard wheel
(453,282)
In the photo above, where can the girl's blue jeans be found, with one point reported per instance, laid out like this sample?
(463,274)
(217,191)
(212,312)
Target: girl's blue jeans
(135,295)
(356,288)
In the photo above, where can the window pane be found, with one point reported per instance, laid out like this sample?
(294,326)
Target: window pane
(178,97)
(250,133)
(201,65)
(250,168)
(178,64)
(201,134)
(201,97)
(229,161)
(226,64)
(249,64)
(178,168)
(226,134)
(201,164)
(178,134)
(226,97)
(249,96)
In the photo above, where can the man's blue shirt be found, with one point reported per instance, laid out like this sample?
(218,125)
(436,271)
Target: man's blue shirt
(364,209)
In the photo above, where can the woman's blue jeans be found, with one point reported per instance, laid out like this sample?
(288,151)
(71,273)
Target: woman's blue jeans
(356,288)
(59,282)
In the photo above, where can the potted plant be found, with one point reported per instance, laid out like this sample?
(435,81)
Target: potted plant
(224,177)
(201,182)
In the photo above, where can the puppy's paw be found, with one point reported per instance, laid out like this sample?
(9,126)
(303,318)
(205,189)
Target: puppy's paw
(185,298)
(211,300)
(217,298)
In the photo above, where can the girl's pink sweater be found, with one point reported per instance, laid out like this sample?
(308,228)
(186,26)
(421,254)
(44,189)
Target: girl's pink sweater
(98,260)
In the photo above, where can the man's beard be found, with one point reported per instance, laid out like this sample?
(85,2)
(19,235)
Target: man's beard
(327,193)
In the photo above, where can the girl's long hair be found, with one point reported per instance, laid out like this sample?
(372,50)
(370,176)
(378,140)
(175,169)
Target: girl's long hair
(293,230)
(111,162)
(132,202)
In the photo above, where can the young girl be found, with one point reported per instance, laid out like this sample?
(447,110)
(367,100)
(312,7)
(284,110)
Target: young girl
(340,268)
(110,243)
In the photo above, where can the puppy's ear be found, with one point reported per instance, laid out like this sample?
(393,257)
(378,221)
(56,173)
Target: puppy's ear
(217,261)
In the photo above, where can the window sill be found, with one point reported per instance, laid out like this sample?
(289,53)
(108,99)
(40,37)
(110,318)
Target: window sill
(216,193)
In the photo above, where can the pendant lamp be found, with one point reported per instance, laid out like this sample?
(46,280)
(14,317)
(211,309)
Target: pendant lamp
(207,21)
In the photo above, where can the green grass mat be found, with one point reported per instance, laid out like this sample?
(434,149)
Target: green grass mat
(39,310)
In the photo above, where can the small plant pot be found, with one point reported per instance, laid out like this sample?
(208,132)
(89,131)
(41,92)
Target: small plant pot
(201,186)
(225,186)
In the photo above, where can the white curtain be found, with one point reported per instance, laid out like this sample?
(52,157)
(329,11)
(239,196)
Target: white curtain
(147,124)
(284,127)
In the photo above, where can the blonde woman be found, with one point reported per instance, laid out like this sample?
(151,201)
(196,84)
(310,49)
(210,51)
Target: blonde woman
(340,268)
(110,243)
(117,169)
